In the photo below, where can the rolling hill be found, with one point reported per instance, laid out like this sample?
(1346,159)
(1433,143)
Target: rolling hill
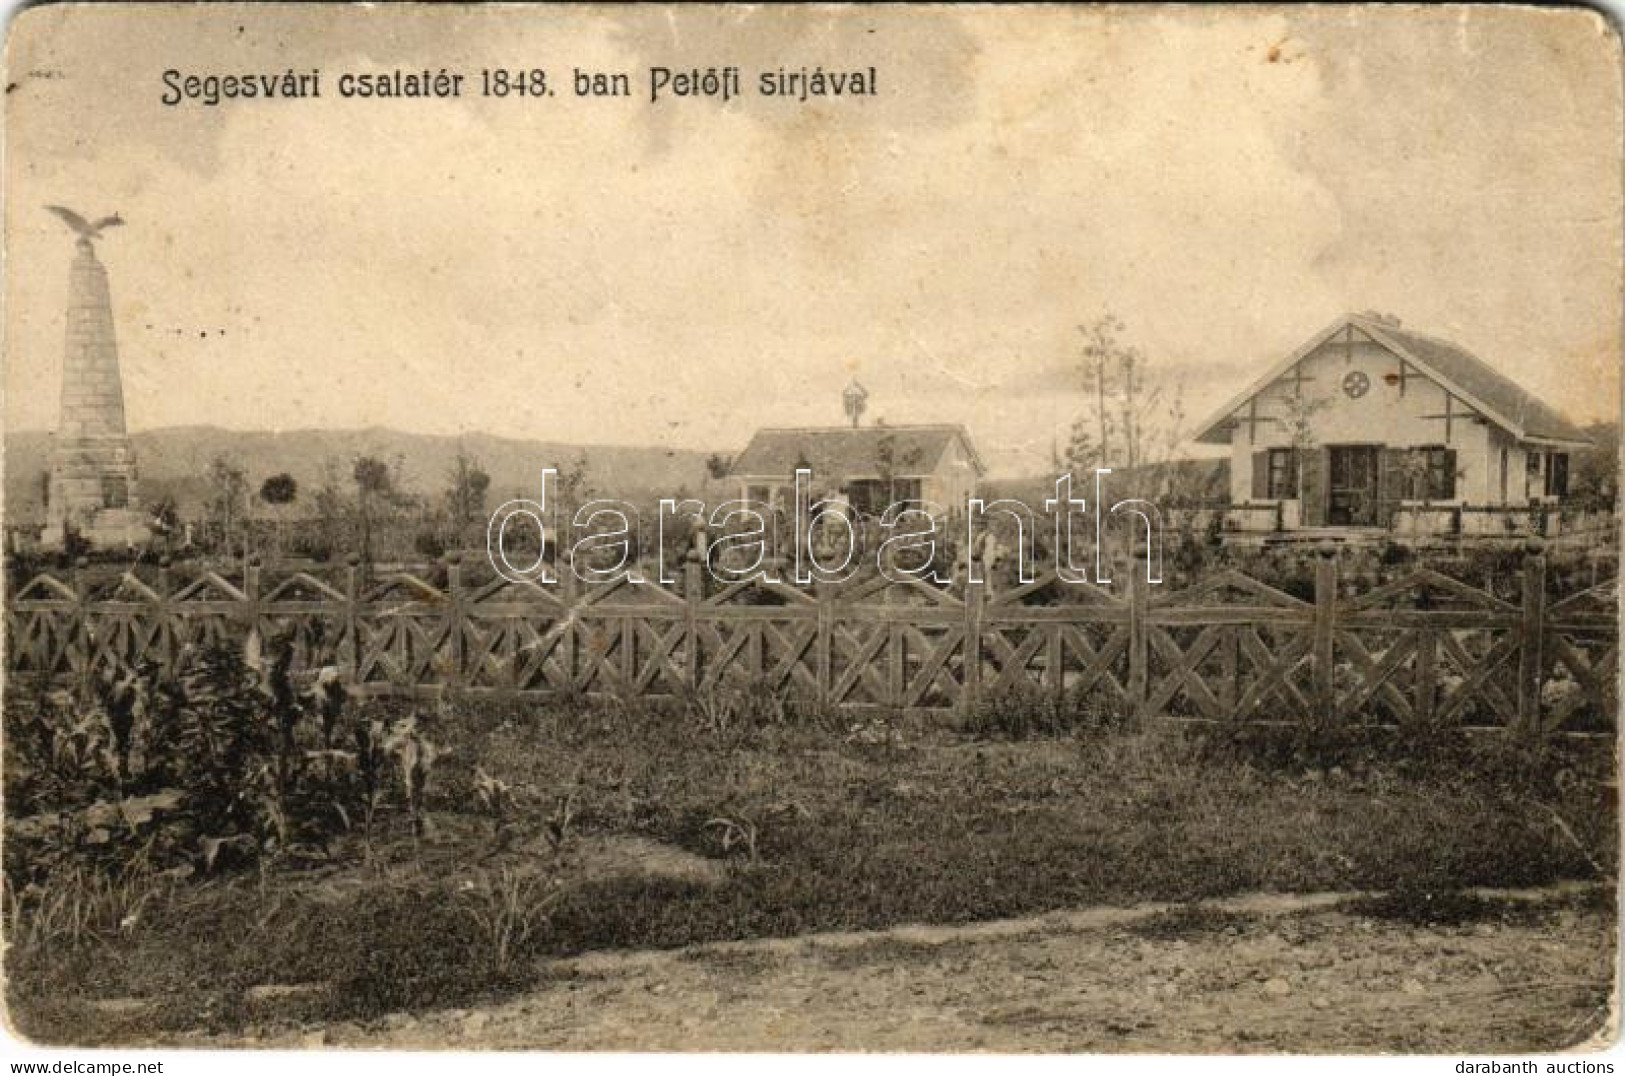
(173,460)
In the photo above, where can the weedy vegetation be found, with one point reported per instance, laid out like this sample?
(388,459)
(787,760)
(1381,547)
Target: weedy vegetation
(190,841)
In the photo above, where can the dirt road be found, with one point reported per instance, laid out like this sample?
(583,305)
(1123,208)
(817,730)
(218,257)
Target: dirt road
(1252,974)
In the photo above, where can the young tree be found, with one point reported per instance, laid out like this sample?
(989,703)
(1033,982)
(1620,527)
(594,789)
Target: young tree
(465,500)
(166,522)
(279,490)
(373,485)
(1082,454)
(1101,358)
(331,510)
(228,495)
(890,463)
(1300,415)
(1128,426)
(1133,427)
(574,488)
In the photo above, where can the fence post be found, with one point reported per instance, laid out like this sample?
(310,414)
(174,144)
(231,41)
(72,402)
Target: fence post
(1427,675)
(1322,635)
(249,609)
(574,632)
(693,597)
(1139,672)
(827,595)
(349,655)
(168,626)
(975,614)
(1531,658)
(251,595)
(82,631)
(458,674)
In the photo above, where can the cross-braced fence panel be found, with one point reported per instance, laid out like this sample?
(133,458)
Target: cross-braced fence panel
(1421,650)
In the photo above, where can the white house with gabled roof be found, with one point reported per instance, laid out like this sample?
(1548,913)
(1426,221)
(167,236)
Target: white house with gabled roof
(871,467)
(1370,422)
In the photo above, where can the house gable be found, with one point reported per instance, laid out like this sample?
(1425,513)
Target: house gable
(1471,389)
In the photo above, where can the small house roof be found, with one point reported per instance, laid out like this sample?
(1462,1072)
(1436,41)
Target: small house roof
(848,452)
(1458,370)
(1499,393)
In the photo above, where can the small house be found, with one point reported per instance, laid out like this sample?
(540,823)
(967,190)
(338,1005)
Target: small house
(1371,425)
(871,467)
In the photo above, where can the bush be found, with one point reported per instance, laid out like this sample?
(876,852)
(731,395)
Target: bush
(243,764)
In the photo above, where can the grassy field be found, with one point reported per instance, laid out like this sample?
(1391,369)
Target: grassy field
(554,831)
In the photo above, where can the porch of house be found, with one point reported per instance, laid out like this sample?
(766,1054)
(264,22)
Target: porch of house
(1278,523)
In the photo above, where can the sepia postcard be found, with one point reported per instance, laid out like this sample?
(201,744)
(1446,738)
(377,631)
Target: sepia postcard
(835,529)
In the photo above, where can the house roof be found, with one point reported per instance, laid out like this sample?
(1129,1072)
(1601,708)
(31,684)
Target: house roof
(850,452)
(1469,377)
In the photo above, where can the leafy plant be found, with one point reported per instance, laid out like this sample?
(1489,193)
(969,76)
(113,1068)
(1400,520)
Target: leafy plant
(508,911)
(220,745)
(259,767)
(493,796)
(560,820)
(56,750)
(414,756)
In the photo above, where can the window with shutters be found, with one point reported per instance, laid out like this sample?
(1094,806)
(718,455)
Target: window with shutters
(1430,474)
(1557,474)
(1282,481)
(867,495)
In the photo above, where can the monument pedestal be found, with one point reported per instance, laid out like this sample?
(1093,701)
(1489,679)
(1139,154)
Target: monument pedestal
(93,473)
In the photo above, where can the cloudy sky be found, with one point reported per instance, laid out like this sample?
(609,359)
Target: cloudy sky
(682,272)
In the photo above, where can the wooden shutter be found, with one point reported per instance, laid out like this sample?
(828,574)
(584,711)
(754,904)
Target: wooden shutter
(1261,475)
(1449,491)
(1314,461)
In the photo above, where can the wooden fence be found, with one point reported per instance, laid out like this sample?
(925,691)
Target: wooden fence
(1420,649)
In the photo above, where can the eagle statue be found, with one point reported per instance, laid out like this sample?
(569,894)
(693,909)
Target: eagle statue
(82,227)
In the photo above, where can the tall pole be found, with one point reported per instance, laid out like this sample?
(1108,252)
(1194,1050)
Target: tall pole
(1129,441)
(1100,405)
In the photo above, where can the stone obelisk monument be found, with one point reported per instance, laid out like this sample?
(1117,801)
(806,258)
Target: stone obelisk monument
(93,473)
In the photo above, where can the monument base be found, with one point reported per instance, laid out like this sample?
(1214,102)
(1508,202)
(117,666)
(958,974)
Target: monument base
(107,528)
